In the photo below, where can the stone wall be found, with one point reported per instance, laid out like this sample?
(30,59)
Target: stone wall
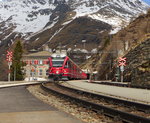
(138,64)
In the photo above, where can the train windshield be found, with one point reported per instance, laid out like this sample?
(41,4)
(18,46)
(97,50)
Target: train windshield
(57,63)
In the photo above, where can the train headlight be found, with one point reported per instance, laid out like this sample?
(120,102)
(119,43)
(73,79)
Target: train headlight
(57,72)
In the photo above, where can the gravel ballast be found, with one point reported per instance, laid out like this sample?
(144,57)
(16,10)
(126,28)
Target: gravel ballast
(68,106)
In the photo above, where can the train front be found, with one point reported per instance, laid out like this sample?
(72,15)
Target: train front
(56,62)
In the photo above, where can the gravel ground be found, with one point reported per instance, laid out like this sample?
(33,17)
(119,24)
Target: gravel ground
(69,107)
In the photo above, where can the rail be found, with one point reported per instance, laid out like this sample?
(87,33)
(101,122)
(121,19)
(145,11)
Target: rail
(139,106)
(124,116)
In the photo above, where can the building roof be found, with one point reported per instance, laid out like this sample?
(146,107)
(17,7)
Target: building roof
(41,54)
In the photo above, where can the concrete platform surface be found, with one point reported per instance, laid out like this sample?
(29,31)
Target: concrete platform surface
(140,95)
(17,105)
(5,84)
(37,117)
(18,99)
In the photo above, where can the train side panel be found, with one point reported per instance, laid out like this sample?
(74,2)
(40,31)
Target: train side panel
(64,69)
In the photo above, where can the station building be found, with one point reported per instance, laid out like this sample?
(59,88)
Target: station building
(36,65)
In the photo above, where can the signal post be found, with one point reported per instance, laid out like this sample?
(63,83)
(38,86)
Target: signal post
(122,64)
(9,60)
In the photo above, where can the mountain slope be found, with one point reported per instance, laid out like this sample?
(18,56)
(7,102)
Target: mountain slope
(33,15)
(110,12)
(131,42)
(39,22)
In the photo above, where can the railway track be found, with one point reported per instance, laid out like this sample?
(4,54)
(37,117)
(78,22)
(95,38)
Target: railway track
(134,105)
(111,107)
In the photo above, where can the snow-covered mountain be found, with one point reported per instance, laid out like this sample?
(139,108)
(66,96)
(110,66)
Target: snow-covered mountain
(33,15)
(26,15)
(40,22)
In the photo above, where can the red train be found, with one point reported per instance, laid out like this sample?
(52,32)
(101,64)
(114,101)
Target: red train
(61,67)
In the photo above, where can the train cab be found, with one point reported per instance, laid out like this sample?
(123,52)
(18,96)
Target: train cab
(56,65)
(61,67)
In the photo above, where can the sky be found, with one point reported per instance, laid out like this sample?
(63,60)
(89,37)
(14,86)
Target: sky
(147,1)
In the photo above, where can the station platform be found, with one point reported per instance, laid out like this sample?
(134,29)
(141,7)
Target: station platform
(5,84)
(18,105)
(133,94)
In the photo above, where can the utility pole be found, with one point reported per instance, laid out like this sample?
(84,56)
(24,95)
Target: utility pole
(9,64)
(91,75)
(122,69)
(15,73)
(30,71)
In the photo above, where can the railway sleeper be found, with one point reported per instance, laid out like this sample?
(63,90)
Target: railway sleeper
(128,117)
(126,103)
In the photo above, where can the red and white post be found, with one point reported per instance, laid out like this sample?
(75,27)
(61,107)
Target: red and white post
(122,64)
(9,60)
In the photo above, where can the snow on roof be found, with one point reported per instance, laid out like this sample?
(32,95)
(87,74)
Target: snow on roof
(60,55)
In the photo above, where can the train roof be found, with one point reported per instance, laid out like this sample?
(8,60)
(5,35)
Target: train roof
(58,55)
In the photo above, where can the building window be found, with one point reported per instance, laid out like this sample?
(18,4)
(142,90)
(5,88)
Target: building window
(47,72)
(40,62)
(32,61)
(32,72)
(36,62)
(40,72)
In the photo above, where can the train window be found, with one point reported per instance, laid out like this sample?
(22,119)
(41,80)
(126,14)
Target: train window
(48,62)
(57,63)
(57,57)
(66,65)
(69,64)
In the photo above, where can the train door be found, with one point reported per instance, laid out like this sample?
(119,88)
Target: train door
(70,69)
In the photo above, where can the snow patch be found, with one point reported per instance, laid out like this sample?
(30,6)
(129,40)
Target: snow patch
(30,16)
(83,10)
(65,23)
(112,21)
(115,30)
(24,15)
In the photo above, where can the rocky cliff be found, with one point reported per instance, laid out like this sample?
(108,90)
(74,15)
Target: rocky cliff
(131,42)
(138,64)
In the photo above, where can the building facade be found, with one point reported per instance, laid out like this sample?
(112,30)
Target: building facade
(36,66)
